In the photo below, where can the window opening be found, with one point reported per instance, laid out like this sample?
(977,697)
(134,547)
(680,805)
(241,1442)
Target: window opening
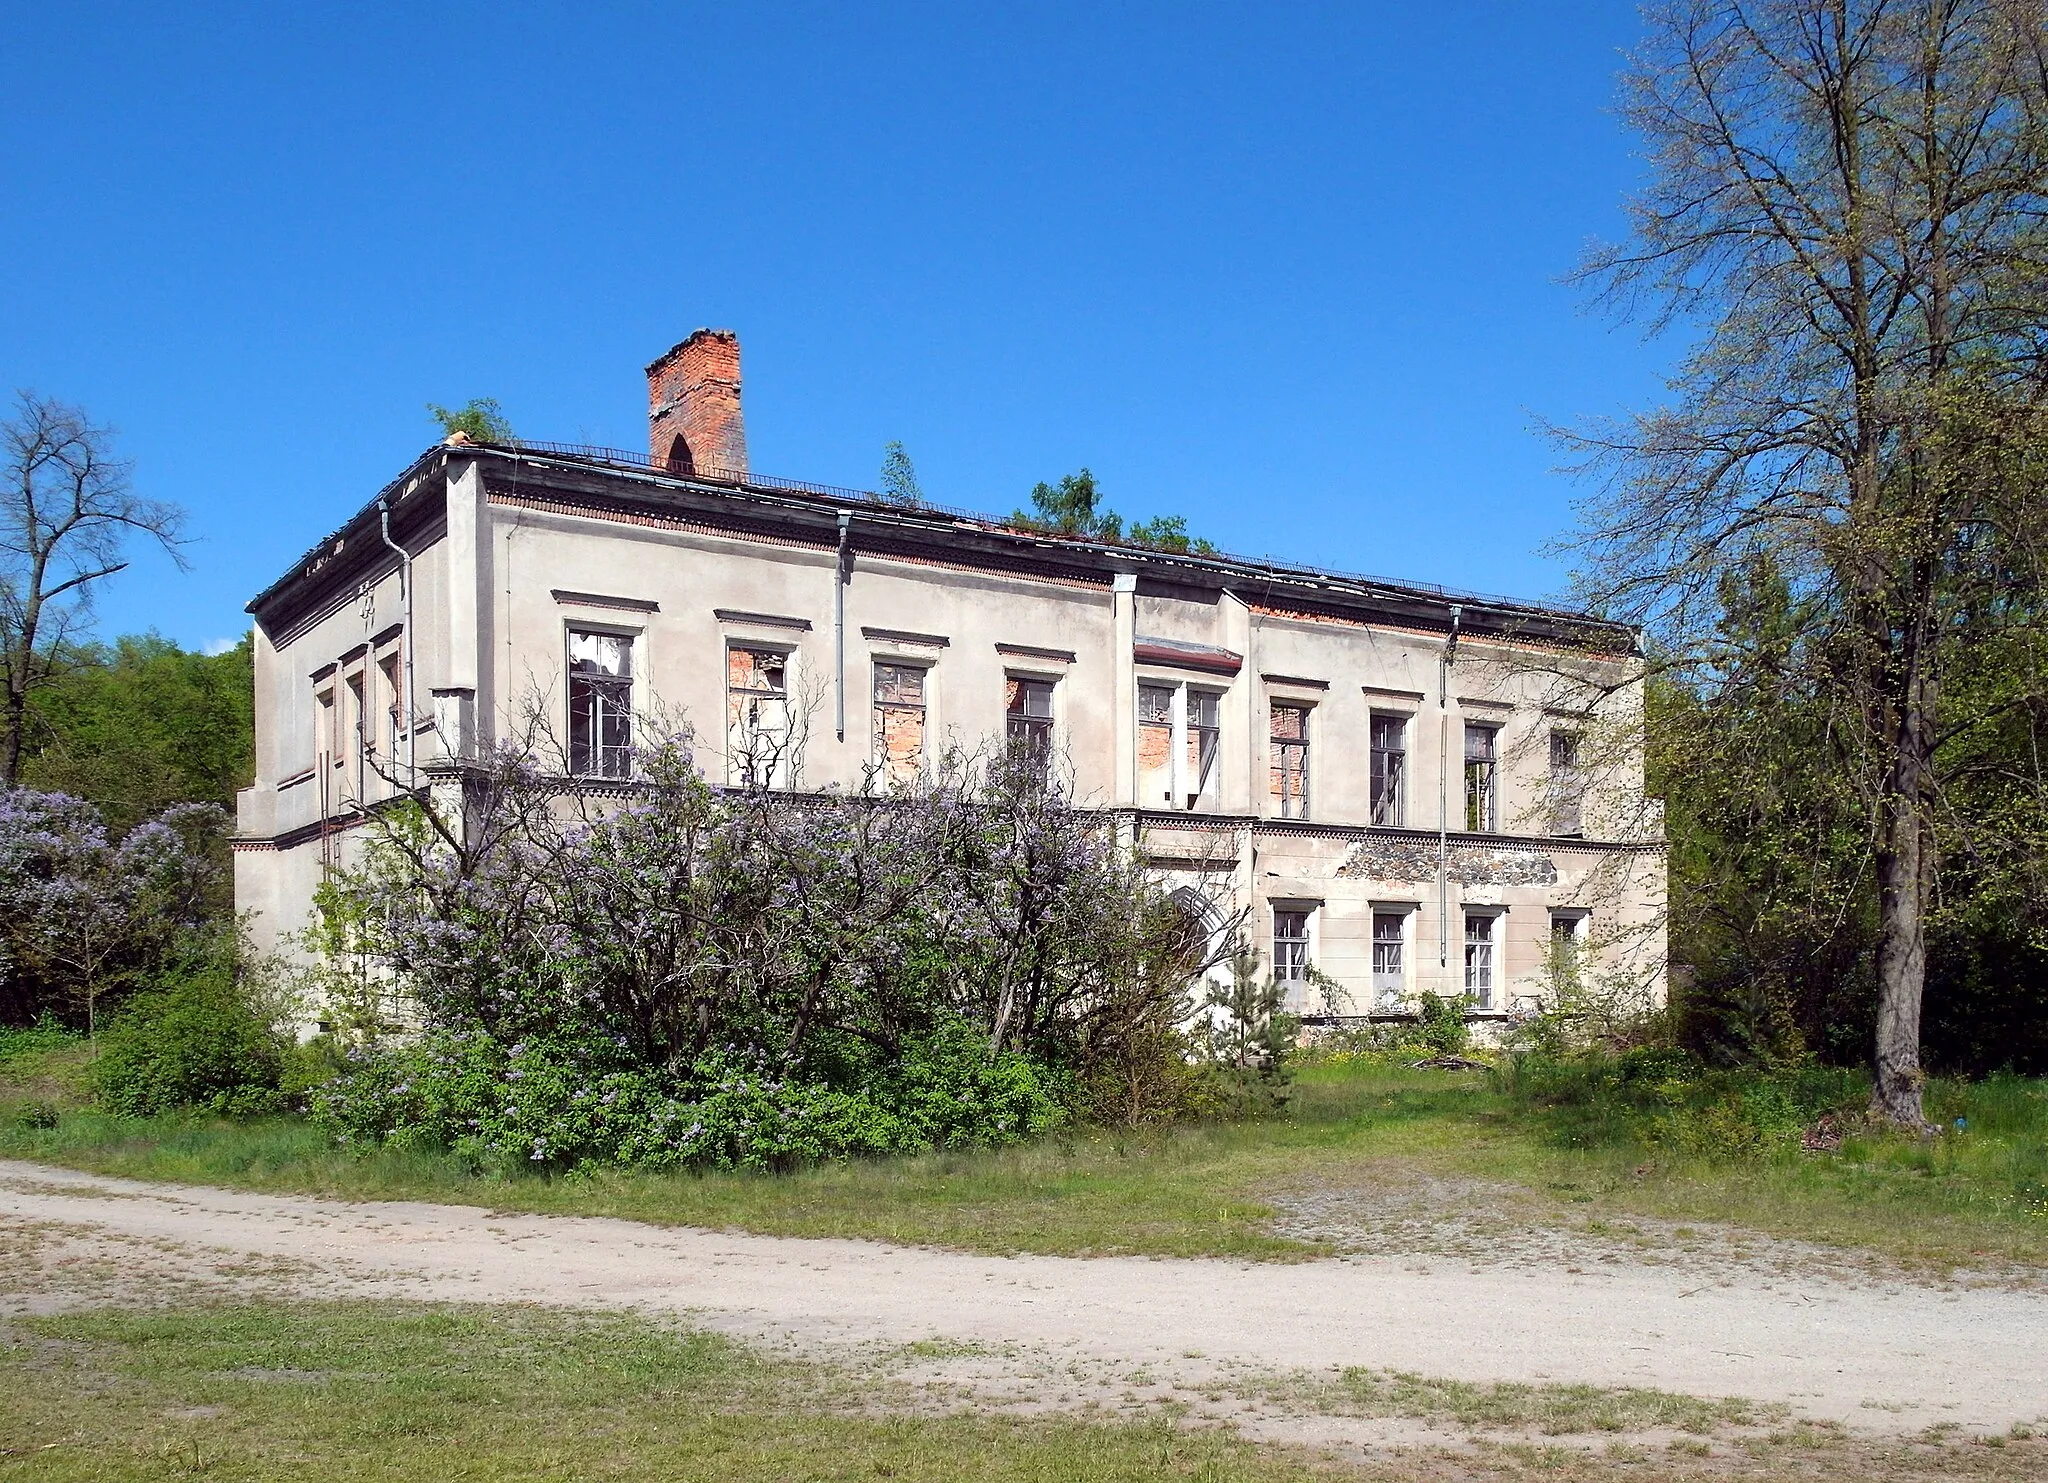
(1290,945)
(1389,970)
(1567,784)
(1289,745)
(1389,768)
(600,704)
(899,721)
(1205,736)
(359,737)
(1155,743)
(680,460)
(394,707)
(1027,708)
(757,716)
(1482,779)
(1479,958)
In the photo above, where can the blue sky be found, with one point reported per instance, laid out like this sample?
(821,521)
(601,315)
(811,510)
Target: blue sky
(1291,271)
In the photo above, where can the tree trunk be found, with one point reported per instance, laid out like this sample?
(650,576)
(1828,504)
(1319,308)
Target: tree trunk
(1904,864)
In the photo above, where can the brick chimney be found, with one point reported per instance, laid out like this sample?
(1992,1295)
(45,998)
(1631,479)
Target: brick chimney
(693,406)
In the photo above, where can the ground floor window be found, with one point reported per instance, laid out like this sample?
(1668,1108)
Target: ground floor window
(1479,957)
(1389,959)
(1290,945)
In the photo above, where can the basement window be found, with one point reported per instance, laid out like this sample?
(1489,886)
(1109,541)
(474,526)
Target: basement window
(899,721)
(600,703)
(1289,756)
(757,718)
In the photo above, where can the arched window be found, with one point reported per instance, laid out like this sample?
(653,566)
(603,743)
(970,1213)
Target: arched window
(679,459)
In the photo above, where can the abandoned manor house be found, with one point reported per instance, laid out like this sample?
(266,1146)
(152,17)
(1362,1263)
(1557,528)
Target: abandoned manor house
(1394,790)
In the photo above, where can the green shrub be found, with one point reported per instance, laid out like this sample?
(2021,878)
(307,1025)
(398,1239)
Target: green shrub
(17,1042)
(581,1103)
(193,1040)
(1443,1028)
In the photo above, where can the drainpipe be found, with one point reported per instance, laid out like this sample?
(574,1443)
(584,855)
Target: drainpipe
(1443,793)
(412,710)
(839,620)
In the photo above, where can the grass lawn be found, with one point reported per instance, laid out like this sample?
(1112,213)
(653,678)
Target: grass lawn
(1361,1130)
(365,1391)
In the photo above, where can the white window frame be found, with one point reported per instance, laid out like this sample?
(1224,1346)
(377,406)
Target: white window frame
(1404,722)
(1487,820)
(1384,1001)
(1486,997)
(1184,793)
(635,666)
(1294,991)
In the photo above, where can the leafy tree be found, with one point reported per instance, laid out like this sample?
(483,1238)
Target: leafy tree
(899,477)
(145,724)
(480,419)
(1843,193)
(1073,507)
(69,515)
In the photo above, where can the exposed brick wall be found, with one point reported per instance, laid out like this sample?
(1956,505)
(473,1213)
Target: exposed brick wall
(693,406)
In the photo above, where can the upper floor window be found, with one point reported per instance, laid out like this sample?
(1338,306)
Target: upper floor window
(394,704)
(1178,742)
(899,721)
(600,703)
(1567,784)
(1389,769)
(757,739)
(1288,735)
(1027,720)
(360,739)
(1482,778)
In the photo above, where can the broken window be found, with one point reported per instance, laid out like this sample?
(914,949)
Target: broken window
(1177,744)
(1482,779)
(1027,708)
(1389,951)
(757,717)
(600,703)
(358,737)
(1205,734)
(1567,784)
(1289,746)
(1155,744)
(1290,945)
(394,708)
(899,721)
(1389,768)
(1479,944)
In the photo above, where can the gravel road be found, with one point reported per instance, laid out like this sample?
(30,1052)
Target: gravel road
(1886,1356)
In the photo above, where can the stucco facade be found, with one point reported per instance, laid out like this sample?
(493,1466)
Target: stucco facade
(556,583)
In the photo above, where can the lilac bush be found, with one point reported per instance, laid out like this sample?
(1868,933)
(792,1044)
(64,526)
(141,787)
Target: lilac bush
(83,916)
(701,977)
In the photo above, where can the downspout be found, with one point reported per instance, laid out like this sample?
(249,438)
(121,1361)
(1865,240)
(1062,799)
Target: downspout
(1443,794)
(839,622)
(412,709)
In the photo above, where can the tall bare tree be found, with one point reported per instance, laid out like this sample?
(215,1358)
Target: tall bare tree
(1846,199)
(69,515)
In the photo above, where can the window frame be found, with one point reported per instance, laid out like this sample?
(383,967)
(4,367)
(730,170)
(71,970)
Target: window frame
(742,760)
(612,763)
(1482,791)
(1290,805)
(878,709)
(1389,996)
(1387,812)
(1567,785)
(1194,749)
(1483,994)
(1036,733)
(1290,973)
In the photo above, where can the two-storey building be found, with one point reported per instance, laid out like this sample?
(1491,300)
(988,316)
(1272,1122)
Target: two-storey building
(1401,789)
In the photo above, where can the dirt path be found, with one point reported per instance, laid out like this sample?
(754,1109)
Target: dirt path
(1892,1356)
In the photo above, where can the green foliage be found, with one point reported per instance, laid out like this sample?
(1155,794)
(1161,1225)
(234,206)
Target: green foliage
(1073,507)
(1666,1099)
(480,419)
(1440,1023)
(47,1034)
(562,1102)
(195,1039)
(899,477)
(143,724)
